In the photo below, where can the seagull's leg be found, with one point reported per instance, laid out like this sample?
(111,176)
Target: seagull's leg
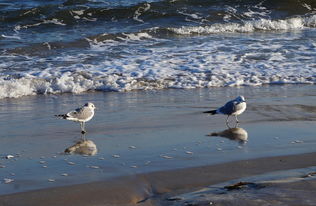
(236,119)
(82,128)
(227,119)
(227,122)
(83,131)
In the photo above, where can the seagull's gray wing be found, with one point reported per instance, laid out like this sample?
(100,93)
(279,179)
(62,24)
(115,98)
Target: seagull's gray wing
(228,108)
(81,113)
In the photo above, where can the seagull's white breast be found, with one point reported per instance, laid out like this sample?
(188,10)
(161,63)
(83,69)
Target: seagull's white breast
(240,108)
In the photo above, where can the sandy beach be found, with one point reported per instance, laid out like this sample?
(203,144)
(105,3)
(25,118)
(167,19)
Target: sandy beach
(165,187)
(158,148)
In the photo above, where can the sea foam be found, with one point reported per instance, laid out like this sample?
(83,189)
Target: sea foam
(77,83)
(143,61)
(249,26)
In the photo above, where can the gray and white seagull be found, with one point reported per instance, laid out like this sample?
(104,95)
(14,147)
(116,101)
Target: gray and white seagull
(232,108)
(81,115)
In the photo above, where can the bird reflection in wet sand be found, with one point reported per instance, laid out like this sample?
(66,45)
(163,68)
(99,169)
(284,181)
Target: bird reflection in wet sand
(237,134)
(83,147)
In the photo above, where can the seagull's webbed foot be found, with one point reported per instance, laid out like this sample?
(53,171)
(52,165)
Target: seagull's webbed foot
(83,136)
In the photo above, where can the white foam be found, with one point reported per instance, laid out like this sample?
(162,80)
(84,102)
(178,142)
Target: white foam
(249,26)
(125,39)
(136,37)
(140,11)
(142,62)
(71,82)
(11,36)
(78,12)
(51,21)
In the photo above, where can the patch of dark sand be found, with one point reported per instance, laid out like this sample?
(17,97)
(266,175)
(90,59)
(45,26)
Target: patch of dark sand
(290,191)
(155,188)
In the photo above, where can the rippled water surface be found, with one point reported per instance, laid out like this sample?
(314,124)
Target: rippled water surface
(76,46)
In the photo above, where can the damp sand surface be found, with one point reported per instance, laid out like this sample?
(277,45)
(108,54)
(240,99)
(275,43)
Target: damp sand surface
(146,147)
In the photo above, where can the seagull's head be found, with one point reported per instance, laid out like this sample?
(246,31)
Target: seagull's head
(240,99)
(90,105)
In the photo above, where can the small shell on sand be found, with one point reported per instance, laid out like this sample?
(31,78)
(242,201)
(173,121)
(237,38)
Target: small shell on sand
(71,163)
(2,166)
(297,141)
(188,152)
(8,180)
(94,167)
(51,180)
(166,156)
(9,157)
(116,156)
(64,174)
(132,147)
(42,162)
(134,166)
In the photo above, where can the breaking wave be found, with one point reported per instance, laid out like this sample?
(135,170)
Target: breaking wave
(50,47)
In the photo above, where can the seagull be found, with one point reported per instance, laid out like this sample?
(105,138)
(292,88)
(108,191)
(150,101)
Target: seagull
(232,108)
(81,115)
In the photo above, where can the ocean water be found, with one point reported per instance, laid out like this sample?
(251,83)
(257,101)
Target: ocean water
(67,46)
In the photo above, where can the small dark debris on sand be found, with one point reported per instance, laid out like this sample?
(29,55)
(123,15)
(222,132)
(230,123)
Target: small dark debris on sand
(244,185)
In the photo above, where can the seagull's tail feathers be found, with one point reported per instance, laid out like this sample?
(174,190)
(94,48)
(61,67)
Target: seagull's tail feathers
(62,116)
(212,112)
(214,134)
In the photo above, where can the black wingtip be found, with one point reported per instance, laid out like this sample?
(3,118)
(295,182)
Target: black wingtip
(63,116)
(211,112)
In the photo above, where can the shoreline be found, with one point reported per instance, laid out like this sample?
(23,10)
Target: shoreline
(155,188)
(158,89)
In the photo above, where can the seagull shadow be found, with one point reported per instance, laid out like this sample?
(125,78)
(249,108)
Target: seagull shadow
(237,134)
(83,147)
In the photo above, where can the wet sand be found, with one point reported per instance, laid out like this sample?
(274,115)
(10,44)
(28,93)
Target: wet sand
(160,188)
(151,146)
